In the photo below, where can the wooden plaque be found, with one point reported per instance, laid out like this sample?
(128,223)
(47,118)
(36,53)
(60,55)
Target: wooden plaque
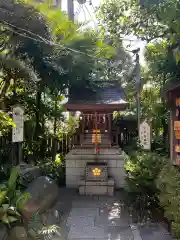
(176,125)
(177,134)
(177,148)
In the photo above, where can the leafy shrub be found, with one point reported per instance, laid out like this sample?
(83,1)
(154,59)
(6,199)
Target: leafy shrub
(36,229)
(54,170)
(168,184)
(5,154)
(11,199)
(132,145)
(142,170)
(159,146)
(5,122)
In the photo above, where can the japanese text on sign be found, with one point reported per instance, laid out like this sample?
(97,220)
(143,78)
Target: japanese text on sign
(18,130)
(145,135)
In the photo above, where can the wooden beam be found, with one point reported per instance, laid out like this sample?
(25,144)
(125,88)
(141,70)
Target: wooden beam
(108,108)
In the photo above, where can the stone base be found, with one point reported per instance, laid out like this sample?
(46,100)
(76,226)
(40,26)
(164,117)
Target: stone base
(77,159)
(96,188)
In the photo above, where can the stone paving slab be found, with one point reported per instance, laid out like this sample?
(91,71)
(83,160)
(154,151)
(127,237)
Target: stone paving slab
(154,231)
(90,212)
(113,215)
(116,233)
(87,232)
(81,221)
(97,218)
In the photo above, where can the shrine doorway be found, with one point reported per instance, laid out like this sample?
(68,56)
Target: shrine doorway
(95,121)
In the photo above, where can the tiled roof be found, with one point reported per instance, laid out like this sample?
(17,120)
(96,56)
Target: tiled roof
(105,95)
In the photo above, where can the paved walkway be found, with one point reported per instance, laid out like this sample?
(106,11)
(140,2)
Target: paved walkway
(96,218)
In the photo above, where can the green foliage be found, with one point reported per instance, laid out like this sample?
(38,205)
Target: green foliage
(142,170)
(43,54)
(68,128)
(54,169)
(158,25)
(5,123)
(159,146)
(133,145)
(11,199)
(37,230)
(8,214)
(168,184)
(147,23)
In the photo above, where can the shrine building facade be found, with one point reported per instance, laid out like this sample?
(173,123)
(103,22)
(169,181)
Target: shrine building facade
(95,142)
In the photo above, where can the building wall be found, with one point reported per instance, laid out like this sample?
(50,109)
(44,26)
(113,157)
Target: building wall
(76,163)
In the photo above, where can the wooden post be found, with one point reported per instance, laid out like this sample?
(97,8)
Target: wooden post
(70,6)
(171,135)
(18,131)
(110,128)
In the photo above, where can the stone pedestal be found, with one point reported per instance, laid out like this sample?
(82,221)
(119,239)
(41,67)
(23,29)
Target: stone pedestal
(96,181)
(77,159)
(92,188)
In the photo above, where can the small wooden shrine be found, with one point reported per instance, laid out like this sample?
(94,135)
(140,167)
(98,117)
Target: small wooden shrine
(96,112)
(173,97)
(94,165)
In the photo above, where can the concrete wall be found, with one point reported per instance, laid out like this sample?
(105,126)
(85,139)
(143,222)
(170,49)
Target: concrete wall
(76,163)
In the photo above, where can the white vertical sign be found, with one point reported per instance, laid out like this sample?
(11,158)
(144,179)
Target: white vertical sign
(145,135)
(18,119)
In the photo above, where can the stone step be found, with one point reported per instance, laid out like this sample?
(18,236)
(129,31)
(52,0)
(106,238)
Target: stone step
(92,157)
(102,136)
(81,150)
(90,140)
(92,144)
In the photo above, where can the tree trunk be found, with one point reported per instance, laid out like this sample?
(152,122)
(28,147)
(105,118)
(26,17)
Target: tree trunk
(37,127)
(4,91)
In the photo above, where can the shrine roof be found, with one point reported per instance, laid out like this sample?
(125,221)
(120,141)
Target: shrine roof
(108,99)
(172,85)
(106,95)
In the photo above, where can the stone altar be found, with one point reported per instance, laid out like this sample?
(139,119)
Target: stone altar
(96,181)
(77,161)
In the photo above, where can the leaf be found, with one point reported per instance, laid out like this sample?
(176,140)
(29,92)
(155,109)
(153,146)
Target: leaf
(2,196)
(12,180)
(13,211)
(1,212)
(177,57)
(5,219)
(5,207)
(12,219)
(22,200)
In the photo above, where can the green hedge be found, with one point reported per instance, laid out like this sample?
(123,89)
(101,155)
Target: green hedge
(142,170)
(54,169)
(168,184)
